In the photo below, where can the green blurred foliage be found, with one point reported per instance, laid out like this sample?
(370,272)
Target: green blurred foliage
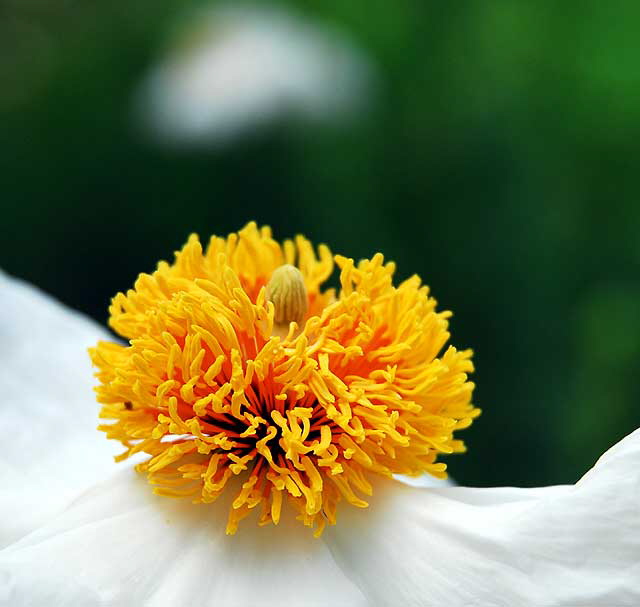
(499,161)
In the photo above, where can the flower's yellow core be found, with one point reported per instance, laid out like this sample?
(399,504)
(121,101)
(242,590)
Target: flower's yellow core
(217,398)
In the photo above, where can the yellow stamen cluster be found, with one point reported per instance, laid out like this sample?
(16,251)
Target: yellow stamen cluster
(359,383)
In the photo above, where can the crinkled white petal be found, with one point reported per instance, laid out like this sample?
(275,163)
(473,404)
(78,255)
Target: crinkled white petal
(50,447)
(240,67)
(570,545)
(121,545)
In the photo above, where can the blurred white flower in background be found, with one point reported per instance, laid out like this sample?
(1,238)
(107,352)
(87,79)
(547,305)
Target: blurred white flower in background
(234,69)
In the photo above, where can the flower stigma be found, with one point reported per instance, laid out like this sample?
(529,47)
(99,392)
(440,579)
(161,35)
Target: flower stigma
(288,294)
(242,374)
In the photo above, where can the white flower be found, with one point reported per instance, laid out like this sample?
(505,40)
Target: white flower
(238,68)
(117,544)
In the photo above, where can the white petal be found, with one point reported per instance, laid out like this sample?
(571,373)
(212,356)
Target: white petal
(50,448)
(240,67)
(121,545)
(571,545)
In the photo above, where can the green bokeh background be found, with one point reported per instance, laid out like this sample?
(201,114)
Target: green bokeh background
(500,161)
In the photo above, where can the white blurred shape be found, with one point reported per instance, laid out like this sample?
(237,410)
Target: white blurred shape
(239,68)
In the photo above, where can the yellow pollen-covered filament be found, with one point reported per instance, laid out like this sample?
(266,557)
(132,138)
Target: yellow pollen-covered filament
(221,398)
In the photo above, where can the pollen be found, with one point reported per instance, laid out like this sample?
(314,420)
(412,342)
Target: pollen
(242,374)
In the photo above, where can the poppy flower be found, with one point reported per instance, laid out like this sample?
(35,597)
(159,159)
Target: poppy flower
(247,388)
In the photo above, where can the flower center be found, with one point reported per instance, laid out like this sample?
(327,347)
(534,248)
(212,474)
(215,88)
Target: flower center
(223,393)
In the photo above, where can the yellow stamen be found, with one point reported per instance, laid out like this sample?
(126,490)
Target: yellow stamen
(212,388)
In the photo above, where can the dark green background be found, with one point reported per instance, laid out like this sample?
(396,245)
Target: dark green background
(500,161)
